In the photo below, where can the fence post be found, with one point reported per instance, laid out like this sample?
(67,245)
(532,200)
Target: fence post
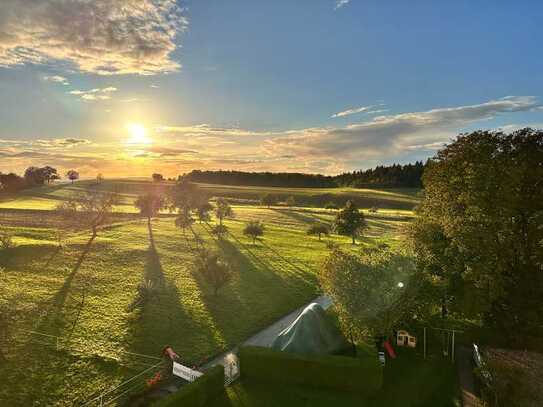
(424,342)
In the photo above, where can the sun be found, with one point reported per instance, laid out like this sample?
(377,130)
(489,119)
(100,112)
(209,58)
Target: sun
(138,134)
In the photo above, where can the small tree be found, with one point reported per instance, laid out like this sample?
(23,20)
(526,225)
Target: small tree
(150,204)
(184,221)
(215,271)
(291,201)
(268,200)
(89,209)
(254,229)
(223,210)
(72,175)
(158,177)
(349,221)
(99,178)
(203,212)
(318,229)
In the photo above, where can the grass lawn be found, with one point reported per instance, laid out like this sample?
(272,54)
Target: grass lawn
(82,292)
(408,381)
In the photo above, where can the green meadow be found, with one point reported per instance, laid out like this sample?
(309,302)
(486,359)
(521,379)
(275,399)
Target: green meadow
(82,293)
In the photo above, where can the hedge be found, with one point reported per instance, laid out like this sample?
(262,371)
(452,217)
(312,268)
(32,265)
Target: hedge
(360,375)
(198,393)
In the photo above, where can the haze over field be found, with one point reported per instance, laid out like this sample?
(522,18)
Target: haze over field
(322,86)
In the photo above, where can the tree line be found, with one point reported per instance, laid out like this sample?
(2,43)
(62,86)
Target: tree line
(395,175)
(35,176)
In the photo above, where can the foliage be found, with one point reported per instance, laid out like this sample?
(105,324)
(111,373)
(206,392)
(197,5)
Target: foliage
(72,175)
(157,177)
(198,393)
(366,291)
(214,269)
(223,210)
(349,221)
(395,175)
(11,182)
(90,208)
(40,175)
(291,201)
(145,291)
(318,229)
(99,178)
(364,375)
(203,211)
(150,204)
(185,196)
(254,229)
(479,230)
(184,221)
(268,200)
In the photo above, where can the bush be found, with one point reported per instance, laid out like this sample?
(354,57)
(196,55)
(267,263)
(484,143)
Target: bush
(360,375)
(254,229)
(145,291)
(198,393)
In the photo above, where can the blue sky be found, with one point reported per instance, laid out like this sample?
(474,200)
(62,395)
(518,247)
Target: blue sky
(312,86)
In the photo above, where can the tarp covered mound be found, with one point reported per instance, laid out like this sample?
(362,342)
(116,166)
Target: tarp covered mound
(312,332)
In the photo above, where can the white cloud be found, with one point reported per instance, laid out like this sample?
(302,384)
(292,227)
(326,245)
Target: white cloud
(354,110)
(341,3)
(94,94)
(56,79)
(95,36)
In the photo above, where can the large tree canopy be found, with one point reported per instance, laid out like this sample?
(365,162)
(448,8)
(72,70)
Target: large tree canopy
(480,226)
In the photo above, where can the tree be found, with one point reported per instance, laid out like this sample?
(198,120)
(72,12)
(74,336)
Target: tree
(158,177)
(99,178)
(150,204)
(90,208)
(223,210)
(373,291)
(38,176)
(268,200)
(349,221)
(49,174)
(72,175)
(254,229)
(291,201)
(203,211)
(184,221)
(478,229)
(318,229)
(215,270)
(11,182)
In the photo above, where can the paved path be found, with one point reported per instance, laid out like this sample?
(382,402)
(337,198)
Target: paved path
(266,336)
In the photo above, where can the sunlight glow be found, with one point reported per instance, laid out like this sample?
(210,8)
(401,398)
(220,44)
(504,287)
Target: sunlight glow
(138,134)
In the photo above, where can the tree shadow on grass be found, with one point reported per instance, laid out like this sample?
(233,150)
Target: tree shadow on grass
(255,297)
(162,319)
(298,216)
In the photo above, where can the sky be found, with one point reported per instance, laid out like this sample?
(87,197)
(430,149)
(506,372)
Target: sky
(132,87)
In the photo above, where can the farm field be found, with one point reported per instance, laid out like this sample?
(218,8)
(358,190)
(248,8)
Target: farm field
(82,293)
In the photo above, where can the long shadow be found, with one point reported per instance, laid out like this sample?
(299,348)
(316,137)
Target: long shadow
(258,295)
(162,319)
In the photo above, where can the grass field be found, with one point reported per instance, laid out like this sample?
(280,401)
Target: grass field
(82,293)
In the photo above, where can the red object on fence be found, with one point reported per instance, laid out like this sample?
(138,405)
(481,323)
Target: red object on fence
(168,351)
(390,349)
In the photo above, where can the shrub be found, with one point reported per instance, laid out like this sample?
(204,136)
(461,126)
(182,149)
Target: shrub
(219,230)
(215,271)
(318,229)
(145,292)
(360,375)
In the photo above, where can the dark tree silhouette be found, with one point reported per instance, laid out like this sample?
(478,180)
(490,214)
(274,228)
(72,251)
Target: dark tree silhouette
(349,221)
(254,229)
(318,229)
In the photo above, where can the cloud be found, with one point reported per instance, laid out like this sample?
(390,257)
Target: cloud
(362,109)
(94,94)
(341,3)
(93,36)
(394,134)
(56,79)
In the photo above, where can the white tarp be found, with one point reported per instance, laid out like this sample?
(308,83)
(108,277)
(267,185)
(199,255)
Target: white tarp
(185,372)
